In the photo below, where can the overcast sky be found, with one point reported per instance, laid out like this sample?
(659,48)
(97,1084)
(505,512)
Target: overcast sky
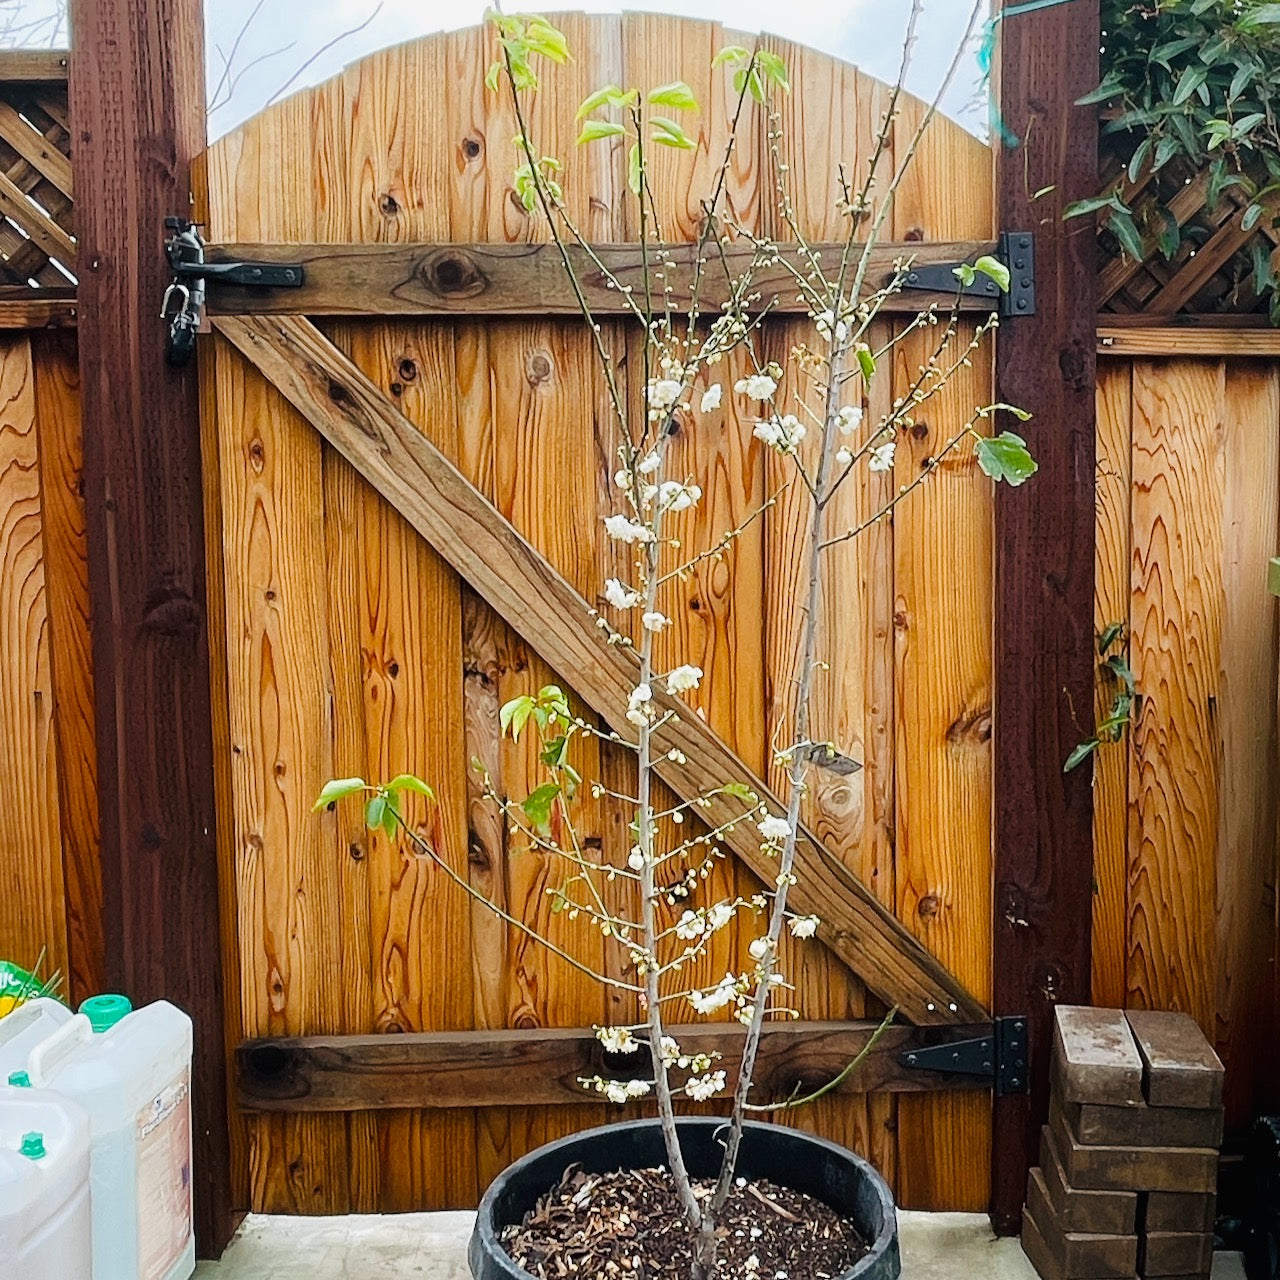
(284,34)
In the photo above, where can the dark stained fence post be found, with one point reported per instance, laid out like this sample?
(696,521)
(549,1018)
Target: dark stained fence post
(1044,651)
(137,120)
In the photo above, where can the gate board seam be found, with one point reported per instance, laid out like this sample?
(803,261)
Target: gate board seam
(530,280)
(474,537)
(542,1067)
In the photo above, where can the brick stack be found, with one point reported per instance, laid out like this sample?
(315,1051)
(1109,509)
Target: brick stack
(1129,1159)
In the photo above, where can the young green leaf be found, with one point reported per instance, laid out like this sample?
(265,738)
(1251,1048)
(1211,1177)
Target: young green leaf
(668,133)
(866,362)
(515,714)
(408,782)
(1006,457)
(537,805)
(1126,231)
(545,39)
(633,168)
(337,789)
(375,811)
(734,54)
(740,791)
(1081,754)
(676,95)
(609,96)
(993,269)
(775,70)
(1109,636)
(596,129)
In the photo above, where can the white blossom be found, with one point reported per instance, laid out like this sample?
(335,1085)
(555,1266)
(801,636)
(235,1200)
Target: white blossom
(683,679)
(711,397)
(758,386)
(669,1050)
(621,1091)
(655,621)
(635,860)
(649,463)
(624,530)
(826,323)
(719,915)
(759,948)
(617,1039)
(674,496)
(702,1088)
(717,998)
(622,479)
(619,596)
(663,393)
(690,926)
(844,456)
(882,457)
(803,926)
(849,419)
(783,434)
(774,829)
(640,705)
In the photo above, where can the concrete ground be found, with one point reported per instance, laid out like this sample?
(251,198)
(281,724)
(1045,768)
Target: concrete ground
(433,1246)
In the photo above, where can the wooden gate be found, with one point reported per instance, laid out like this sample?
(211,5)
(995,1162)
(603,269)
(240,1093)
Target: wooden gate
(401,456)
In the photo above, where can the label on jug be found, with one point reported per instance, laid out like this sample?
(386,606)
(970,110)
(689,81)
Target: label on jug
(164,1179)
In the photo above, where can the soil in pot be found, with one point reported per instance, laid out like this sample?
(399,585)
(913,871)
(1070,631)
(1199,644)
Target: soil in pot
(629,1225)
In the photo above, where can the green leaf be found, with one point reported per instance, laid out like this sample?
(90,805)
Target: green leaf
(1170,49)
(1189,82)
(390,819)
(866,362)
(595,129)
(545,39)
(515,714)
(1006,457)
(1251,216)
(633,168)
(1078,208)
(965,274)
(668,133)
(733,54)
(1138,160)
(1168,233)
(1109,636)
(1110,88)
(375,811)
(775,70)
(409,782)
(609,96)
(1081,754)
(537,805)
(1126,231)
(493,77)
(1264,15)
(994,269)
(676,95)
(740,791)
(337,789)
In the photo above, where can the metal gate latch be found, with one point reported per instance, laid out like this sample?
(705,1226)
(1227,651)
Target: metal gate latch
(1000,1057)
(183,305)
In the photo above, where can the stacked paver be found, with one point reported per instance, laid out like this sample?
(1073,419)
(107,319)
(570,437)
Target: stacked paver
(1129,1159)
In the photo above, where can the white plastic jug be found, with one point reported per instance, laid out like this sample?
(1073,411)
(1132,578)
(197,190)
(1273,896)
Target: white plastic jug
(44,1187)
(24,1027)
(132,1074)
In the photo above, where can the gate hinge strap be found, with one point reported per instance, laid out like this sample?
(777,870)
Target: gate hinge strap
(1015,249)
(1000,1057)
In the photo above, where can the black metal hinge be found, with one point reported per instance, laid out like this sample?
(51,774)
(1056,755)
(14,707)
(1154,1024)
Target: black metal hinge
(1000,1057)
(184,247)
(1016,249)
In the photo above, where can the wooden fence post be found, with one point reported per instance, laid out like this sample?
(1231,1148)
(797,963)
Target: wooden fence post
(1044,650)
(137,119)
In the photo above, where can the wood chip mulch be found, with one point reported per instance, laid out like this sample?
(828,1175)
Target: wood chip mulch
(629,1226)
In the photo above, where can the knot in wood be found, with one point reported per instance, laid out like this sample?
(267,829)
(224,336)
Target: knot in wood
(929,906)
(538,367)
(449,273)
(388,205)
(472,146)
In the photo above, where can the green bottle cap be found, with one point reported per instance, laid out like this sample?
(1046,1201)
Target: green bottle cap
(104,1012)
(32,1146)
(20,1079)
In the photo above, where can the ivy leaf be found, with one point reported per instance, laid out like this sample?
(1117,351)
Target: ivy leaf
(1081,754)
(677,95)
(994,269)
(409,782)
(493,77)
(1006,457)
(337,789)
(596,129)
(537,805)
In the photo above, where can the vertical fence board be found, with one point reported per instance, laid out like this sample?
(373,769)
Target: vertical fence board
(942,711)
(1175,782)
(32,914)
(1111,763)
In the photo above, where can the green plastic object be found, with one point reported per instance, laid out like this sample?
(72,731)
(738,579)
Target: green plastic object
(1273,577)
(105,1011)
(33,1146)
(19,1079)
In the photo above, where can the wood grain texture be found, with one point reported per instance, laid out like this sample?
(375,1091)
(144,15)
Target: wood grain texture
(1177,607)
(1111,763)
(943,675)
(32,908)
(1197,341)
(1044,540)
(66,569)
(1248,797)
(136,135)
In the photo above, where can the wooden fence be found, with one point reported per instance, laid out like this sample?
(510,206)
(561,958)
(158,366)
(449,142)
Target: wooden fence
(344,643)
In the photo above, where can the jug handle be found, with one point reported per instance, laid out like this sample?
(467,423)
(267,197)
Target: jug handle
(74,1032)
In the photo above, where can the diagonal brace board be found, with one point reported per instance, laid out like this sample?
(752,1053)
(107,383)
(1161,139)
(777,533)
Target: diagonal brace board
(517,581)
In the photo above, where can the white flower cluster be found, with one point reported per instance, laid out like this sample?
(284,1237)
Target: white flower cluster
(803,926)
(704,1087)
(617,1090)
(724,993)
(622,529)
(832,327)
(774,830)
(781,433)
(619,596)
(882,456)
(640,710)
(849,419)
(655,621)
(662,394)
(693,925)
(617,1039)
(711,398)
(757,386)
(683,679)
(674,496)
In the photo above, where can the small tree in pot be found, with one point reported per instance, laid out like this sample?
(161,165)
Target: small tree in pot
(810,413)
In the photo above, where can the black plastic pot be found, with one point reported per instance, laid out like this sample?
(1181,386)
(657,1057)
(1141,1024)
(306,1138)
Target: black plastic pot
(821,1169)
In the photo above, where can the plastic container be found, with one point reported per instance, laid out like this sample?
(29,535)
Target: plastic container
(25,1027)
(45,1231)
(131,1071)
